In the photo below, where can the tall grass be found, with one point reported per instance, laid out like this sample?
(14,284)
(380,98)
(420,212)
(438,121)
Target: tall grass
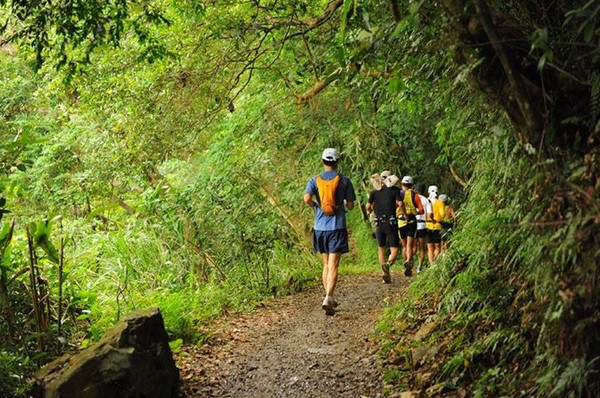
(496,296)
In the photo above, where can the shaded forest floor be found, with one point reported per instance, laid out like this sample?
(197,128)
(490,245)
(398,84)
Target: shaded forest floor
(290,348)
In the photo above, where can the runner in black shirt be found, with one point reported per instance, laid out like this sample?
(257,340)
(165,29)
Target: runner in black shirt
(384,202)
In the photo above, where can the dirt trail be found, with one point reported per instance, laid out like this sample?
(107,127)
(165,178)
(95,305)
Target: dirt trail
(291,349)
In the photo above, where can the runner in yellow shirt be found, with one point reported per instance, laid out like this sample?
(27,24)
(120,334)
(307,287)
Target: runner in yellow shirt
(435,216)
(447,222)
(408,224)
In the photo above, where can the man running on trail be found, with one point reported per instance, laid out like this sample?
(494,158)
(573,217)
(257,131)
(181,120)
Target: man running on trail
(408,224)
(421,227)
(384,202)
(377,184)
(330,236)
(447,221)
(435,216)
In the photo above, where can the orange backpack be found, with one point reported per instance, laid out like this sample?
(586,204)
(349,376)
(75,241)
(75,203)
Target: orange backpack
(326,189)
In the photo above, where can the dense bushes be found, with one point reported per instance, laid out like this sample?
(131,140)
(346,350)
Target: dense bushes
(181,178)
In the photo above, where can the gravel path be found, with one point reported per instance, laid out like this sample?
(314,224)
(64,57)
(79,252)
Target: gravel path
(290,348)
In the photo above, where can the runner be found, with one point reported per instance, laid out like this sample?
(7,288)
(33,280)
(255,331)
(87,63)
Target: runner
(435,215)
(447,222)
(383,204)
(408,224)
(377,183)
(432,191)
(330,236)
(421,227)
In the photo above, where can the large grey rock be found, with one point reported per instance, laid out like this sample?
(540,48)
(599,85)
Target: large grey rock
(132,360)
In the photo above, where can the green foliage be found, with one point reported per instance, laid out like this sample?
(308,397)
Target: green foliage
(578,379)
(496,292)
(13,366)
(66,32)
(587,16)
(177,182)
(18,122)
(165,202)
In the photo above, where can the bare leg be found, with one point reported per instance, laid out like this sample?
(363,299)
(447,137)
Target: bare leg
(381,255)
(330,276)
(325,257)
(421,247)
(331,262)
(431,252)
(393,254)
(437,250)
(410,242)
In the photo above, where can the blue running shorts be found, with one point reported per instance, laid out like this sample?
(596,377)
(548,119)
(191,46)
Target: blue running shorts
(331,241)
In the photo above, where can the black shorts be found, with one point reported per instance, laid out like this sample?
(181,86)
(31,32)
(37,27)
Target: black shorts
(433,236)
(409,230)
(387,235)
(421,233)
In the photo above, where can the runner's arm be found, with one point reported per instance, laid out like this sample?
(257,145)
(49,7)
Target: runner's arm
(310,190)
(308,199)
(429,216)
(350,195)
(452,214)
(400,204)
(419,205)
(369,205)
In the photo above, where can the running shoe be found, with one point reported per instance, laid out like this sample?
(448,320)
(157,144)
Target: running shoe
(387,278)
(328,305)
(407,269)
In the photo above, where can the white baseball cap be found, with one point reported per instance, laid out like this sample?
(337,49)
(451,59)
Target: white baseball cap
(432,188)
(443,197)
(407,180)
(385,174)
(391,181)
(330,154)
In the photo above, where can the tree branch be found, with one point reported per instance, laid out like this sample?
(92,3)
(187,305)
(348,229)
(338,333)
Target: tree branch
(394,10)
(318,87)
(509,65)
(457,178)
(310,57)
(311,23)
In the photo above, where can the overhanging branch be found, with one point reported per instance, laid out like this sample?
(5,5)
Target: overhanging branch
(310,23)
(321,85)
(509,65)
